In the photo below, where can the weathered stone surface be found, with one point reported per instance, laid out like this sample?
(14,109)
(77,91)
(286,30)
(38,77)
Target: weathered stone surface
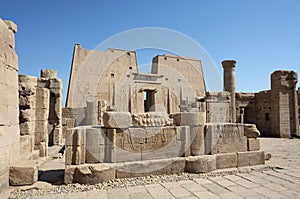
(200,164)
(117,119)
(225,138)
(251,131)
(268,156)
(26,128)
(42,98)
(27,115)
(27,102)
(197,140)
(25,173)
(253,144)
(11,25)
(226,160)
(48,74)
(150,119)
(189,119)
(26,143)
(93,174)
(95,145)
(150,167)
(250,158)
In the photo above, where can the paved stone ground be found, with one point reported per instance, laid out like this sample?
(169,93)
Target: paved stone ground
(282,182)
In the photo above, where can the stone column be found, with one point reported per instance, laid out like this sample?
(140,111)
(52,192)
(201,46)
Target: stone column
(229,84)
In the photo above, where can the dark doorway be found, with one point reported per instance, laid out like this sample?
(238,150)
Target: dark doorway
(149,100)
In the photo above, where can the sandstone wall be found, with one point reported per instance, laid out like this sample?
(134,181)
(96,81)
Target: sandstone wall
(9,103)
(40,112)
(284,103)
(264,112)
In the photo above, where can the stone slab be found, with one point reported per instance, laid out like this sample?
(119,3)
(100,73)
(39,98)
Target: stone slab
(189,119)
(117,119)
(200,164)
(226,160)
(25,173)
(250,158)
(253,144)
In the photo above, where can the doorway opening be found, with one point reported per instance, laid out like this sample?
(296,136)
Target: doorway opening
(149,100)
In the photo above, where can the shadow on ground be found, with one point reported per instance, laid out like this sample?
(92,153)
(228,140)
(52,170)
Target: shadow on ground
(54,177)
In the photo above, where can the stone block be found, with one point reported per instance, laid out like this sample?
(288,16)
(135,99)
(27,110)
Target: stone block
(27,102)
(26,143)
(250,131)
(189,119)
(95,145)
(41,126)
(27,85)
(150,167)
(42,98)
(117,119)
(200,164)
(226,160)
(225,138)
(69,137)
(41,114)
(40,137)
(250,158)
(68,155)
(25,173)
(93,174)
(48,74)
(26,128)
(27,115)
(253,144)
(69,174)
(55,83)
(197,140)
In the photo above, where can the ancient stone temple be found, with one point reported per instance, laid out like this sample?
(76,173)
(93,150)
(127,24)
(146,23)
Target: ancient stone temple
(120,122)
(131,124)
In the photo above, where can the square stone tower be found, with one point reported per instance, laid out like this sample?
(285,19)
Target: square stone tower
(285,118)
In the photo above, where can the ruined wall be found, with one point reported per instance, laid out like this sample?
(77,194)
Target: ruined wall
(264,112)
(28,111)
(284,103)
(40,112)
(245,108)
(9,104)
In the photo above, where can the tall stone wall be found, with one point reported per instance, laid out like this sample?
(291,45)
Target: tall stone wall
(284,103)
(9,103)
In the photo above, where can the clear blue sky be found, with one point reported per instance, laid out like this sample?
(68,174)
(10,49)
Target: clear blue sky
(262,35)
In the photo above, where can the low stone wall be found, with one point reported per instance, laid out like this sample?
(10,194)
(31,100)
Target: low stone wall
(96,173)
(100,153)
